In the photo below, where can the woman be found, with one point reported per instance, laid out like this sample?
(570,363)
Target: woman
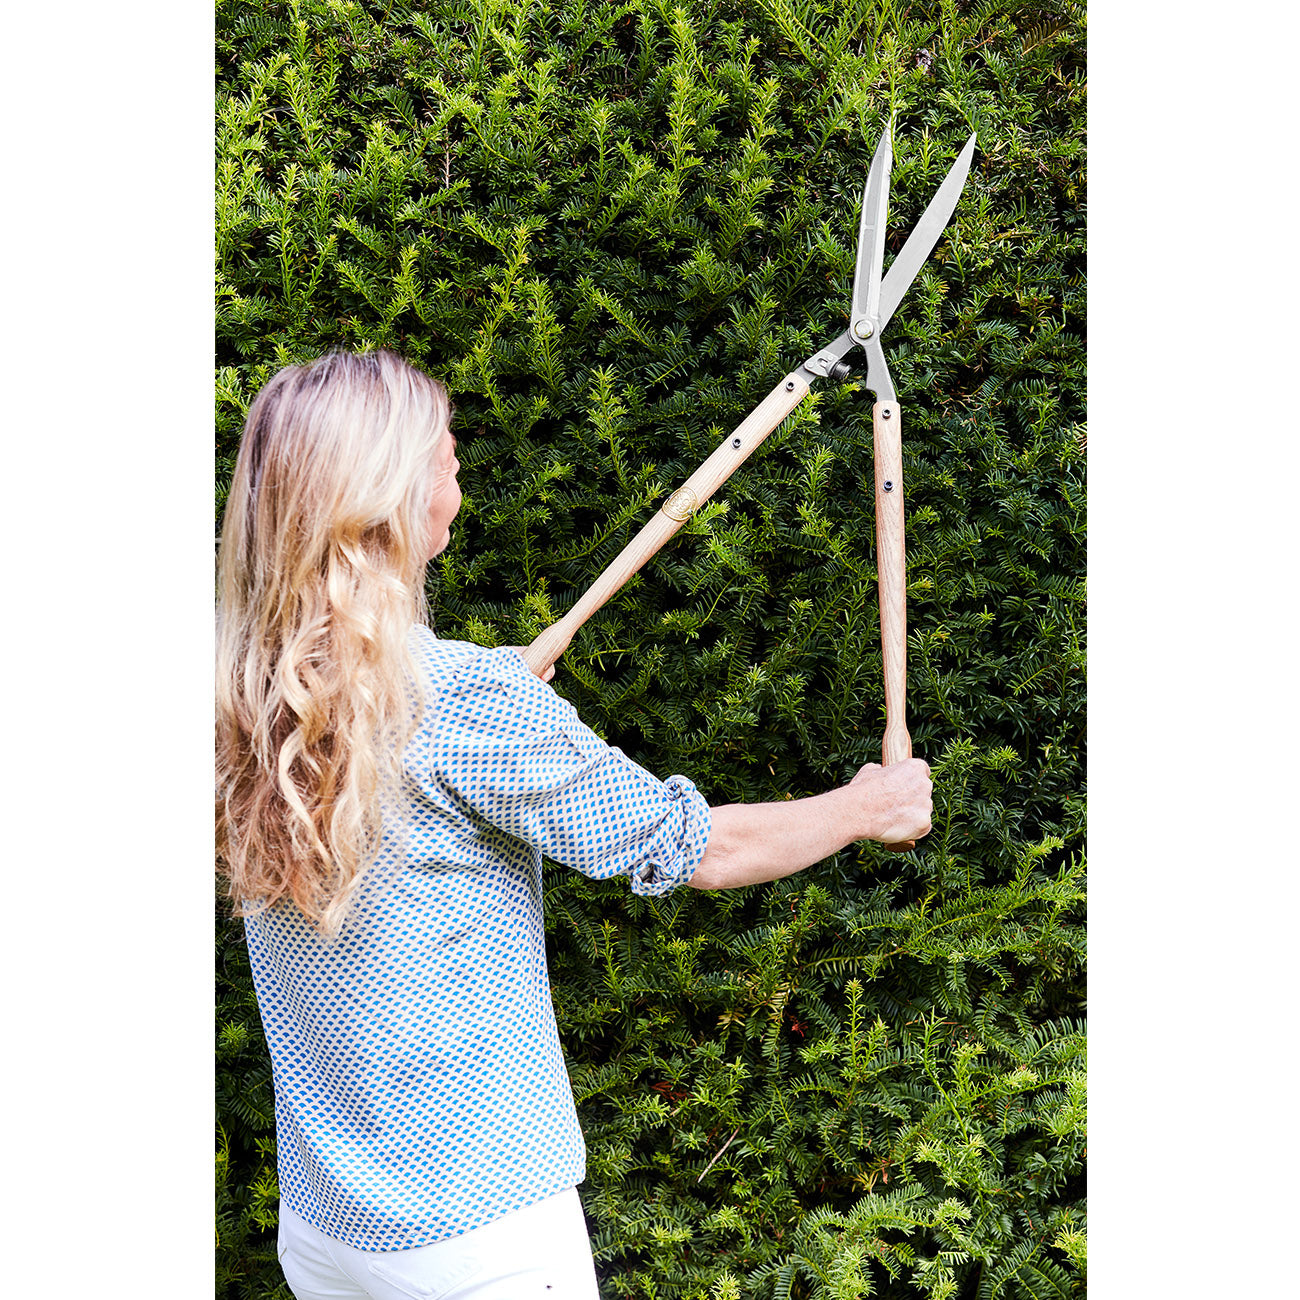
(384,802)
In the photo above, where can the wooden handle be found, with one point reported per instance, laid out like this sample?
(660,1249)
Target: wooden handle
(891,563)
(730,454)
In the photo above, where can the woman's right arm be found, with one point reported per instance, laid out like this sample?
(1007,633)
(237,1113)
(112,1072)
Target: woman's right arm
(752,843)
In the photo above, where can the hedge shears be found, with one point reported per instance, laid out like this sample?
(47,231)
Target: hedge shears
(873,303)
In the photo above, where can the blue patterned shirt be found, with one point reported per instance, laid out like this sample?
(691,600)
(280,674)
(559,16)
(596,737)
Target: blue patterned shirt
(420,1090)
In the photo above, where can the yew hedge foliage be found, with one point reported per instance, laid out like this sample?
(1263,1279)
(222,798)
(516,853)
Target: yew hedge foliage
(610,228)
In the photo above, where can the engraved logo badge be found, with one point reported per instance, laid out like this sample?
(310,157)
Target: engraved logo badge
(681,505)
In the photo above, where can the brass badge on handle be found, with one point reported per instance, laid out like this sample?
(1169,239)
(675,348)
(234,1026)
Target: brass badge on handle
(681,505)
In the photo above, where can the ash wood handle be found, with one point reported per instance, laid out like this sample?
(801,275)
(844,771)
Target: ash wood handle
(891,562)
(729,455)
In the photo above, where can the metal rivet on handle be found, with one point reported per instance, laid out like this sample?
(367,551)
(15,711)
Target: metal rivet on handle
(886,413)
(735,442)
(789,386)
(889,486)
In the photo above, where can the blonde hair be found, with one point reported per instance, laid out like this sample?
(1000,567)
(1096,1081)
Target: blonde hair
(320,577)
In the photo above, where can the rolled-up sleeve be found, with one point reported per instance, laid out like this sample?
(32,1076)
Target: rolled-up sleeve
(515,754)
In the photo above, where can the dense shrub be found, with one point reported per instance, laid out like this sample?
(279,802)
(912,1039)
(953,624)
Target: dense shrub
(610,228)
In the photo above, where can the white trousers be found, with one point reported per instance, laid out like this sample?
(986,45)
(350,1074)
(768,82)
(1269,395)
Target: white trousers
(538,1253)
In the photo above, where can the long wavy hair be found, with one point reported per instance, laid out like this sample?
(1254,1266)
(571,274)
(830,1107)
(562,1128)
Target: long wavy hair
(320,576)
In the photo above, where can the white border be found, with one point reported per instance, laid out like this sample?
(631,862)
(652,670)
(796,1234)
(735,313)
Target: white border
(108,482)
(1192,667)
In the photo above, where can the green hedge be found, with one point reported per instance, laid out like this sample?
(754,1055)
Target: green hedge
(610,228)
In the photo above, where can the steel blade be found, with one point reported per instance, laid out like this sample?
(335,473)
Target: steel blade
(871,234)
(925,234)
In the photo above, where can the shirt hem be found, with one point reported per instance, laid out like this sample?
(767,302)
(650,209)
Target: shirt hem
(406,1243)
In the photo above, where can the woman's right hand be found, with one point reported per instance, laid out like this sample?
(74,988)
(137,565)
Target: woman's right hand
(897,800)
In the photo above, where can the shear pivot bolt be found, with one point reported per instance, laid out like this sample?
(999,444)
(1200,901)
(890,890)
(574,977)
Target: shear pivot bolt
(863,329)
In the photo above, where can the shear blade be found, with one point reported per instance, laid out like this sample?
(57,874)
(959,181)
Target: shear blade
(871,234)
(925,234)
(903,269)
